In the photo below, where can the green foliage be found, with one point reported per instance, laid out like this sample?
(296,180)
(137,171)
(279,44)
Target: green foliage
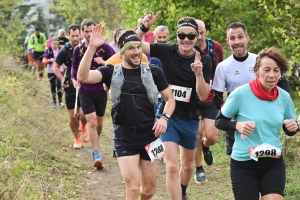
(264,29)
(284,18)
(75,11)
(11,27)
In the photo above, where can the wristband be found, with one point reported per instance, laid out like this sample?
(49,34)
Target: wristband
(298,128)
(165,118)
(143,28)
(198,74)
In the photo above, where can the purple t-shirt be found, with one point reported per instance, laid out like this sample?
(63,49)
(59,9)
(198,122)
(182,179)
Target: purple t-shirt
(105,51)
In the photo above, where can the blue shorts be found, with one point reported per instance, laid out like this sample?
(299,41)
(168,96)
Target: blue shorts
(38,55)
(182,132)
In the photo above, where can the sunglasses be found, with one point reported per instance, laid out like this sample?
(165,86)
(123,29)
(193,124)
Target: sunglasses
(182,36)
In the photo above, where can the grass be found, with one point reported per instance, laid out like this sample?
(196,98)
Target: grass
(36,160)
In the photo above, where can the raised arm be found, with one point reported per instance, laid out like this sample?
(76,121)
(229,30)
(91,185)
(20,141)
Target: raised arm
(202,88)
(149,19)
(84,74)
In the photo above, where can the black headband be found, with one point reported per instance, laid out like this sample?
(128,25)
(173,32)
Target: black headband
(127,37)
(190,23)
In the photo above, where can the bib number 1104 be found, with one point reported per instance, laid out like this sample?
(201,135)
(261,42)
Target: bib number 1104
(181,93)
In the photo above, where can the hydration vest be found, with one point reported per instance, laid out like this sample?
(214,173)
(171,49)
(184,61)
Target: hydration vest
(117,82)
(211,53)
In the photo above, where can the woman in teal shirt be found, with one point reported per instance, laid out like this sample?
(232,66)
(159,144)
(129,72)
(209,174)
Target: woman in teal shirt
(260,109)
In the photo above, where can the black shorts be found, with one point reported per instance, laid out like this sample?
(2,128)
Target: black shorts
(70,98)
(38,55)
(266,176)
(93,102)
(208,110)
(129,142)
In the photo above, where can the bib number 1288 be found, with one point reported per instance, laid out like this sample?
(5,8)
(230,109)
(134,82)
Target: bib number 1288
(155,149)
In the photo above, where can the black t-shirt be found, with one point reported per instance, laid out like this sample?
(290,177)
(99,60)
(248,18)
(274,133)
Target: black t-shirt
(62,41)
(177,69)
(134,111)
(65,57)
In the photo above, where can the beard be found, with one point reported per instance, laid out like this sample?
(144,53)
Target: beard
(74,43)
(130,63)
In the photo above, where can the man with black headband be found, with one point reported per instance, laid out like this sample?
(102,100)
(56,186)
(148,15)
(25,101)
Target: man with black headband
(135,127)
(189,76)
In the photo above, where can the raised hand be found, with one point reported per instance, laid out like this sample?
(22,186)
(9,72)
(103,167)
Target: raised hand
(97,36)
(150,18)
(197,65)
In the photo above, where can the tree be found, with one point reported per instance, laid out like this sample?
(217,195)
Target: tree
(216,14)
(75,11)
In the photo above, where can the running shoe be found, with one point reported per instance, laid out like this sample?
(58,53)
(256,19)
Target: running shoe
(98,161)
(53,104)
(78,144)
(184,197)
(208,157)
(200,177)
(162,160)
(85,134)
(61,104)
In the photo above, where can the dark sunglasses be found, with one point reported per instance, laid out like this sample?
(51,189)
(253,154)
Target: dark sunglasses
(182,36)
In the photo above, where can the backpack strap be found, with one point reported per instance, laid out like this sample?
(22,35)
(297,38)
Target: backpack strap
(211,53)
(51,54)
(117,82)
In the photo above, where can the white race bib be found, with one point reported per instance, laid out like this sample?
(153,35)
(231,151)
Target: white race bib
(264,150)
(155,149)
(181,93)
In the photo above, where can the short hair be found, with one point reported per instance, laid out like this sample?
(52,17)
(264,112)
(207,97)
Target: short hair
(116,34)
(73,27)
(87,22)
(55,39)
(161,28)
(61,33)
(274,54)
(236,25)
(37,29)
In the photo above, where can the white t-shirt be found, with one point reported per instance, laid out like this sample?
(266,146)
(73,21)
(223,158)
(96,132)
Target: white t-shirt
(231,73)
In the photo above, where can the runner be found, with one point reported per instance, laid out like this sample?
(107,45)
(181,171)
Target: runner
(62,36)
(189,75)
(92,97)
(208,111)
(236,70)
(114,43)
(260,109)
(64,57)
(29,52)
(132,112)
(37,42)
(55,84)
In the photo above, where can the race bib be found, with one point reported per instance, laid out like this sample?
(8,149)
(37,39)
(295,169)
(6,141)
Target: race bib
(155,149)
(181,93)
(264,150)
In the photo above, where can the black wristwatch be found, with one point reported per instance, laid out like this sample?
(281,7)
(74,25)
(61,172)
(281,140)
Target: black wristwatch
(298,127)
(166,115)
